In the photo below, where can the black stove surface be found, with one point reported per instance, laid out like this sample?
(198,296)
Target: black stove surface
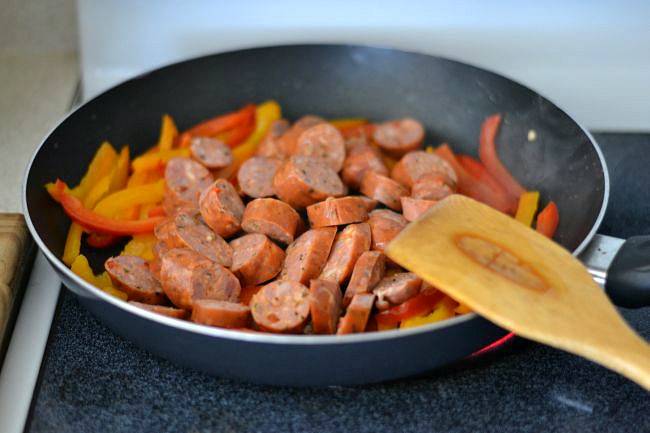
(92,380)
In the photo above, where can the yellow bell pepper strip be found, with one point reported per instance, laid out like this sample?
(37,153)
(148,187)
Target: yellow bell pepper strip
(429,149)
(72,247)
(527,208)
(168,133)
(419,305)
(265,114)
(443,310)
(129,197)
(99,223)
(81,267)
(153,160)
(121,170)
(104,280)
(100,166)
(348,122)
(141,246)
(115,292)
(139,178)
(50,187)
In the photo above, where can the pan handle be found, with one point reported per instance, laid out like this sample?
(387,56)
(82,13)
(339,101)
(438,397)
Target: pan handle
(622,267)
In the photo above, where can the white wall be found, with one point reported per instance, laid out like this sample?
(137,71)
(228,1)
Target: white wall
(592,57)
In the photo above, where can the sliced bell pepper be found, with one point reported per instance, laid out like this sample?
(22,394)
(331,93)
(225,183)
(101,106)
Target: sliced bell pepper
(141,246)
(462,309)
(115,292)
(99,223)
(419,305)
(100,166)
(443,310)
(548,220)
(156,211)
(104,280)
(97,240)
(348,122)
(221,123)
(139,178)
(241,132)
(126,198)
(183,140)
(121,170)
(489,158)
(527,208)
(81,267)
(72,247)
(152,161)
(168,133)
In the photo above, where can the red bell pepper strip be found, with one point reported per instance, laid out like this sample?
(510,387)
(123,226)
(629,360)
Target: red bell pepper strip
(488,154)
(221,123)
(97,240)
(98,223)
(182,140)
(478,171)
(418,305)
(242,131)
(548,220)
(156,211)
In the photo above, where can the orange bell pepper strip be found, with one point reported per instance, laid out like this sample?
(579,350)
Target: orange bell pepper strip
(153,160)
(527,208)
(221,123)
(95,222)
(480,174)
(100,166)
(443,310)
(156,211)
(548,220)
(489,158)
(124,199)
(183,140)
(239,134)
(168,133)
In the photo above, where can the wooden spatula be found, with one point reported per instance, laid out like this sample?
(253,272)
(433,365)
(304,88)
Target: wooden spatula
(520,280)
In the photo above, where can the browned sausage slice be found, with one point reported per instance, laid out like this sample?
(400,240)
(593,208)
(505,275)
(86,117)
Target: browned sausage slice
(187,276)
(289,140)
(221,208)
(220,313)
(131,274)
(184,181)
(399,136)
(368,271)
(271,217)
(270,146)
(383,189)
(384,225)
(255,259)
(281,306)
(307,255)
(353,241)
(324,305)
(432,187)
(357,314)
(396,289)
(165,232)
(175,313)
(192,233)
(416,164)
(304,180)
(210,152)
(368,202)
(323,141)
(337,211)
(413,208)
(356,165)
(255,176)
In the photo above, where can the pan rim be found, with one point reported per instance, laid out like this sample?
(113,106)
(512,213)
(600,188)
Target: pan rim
(251,337)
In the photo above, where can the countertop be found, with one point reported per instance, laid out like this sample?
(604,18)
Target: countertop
(93,380)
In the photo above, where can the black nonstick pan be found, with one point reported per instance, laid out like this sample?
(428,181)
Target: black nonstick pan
(450,98)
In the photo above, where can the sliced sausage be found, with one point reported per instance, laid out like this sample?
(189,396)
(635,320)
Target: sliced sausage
(349,244)
(384,225)
(220,313)
(288,143)
(165,232)
(431,187)
(221,208)
(399,136)
(176,313)
(396,289)
(304,180)
(270,146)
(357,314)
(368,202)
(413,208)
(192,233)
(416,164)
(255,176)
(356,143)
(323,141)
(255,259)
(247,293)
(368,271)
(383,189)
(281,306)
(184,181)
(356,165)
(210,152)
(187,276)
(337,211)
(131,274)
(271,217)
(324,306)
(307,255)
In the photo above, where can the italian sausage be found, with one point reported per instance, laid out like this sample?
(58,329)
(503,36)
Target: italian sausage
(288,142)
(413,208)
(307,255)
(383,189)
(324,306)
(357,314)
(384,225)
(337,211)
(221,208)
(348,245)
(270,146)
(176,313)
(416,164)
(396,289)
(192,233)
(131,274)
(323,141)
(255,176)
(304,180)
(399,136)
(367,272)
(271,217)
(256,259)
(356,165)
(222,314)
(184,181)
(281,306)
(431,187)
(210,152)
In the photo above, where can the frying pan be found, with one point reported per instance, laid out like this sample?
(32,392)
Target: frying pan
(450,98)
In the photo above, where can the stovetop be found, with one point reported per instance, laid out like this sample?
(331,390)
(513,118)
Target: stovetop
(93,380)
